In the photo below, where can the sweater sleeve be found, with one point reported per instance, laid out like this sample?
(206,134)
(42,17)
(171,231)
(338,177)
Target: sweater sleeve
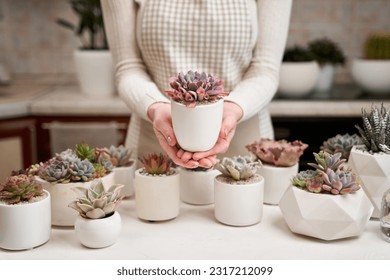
(259,84)
(134,84)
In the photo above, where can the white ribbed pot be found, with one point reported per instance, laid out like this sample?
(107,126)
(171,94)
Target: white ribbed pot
(298,79)
(276,181)
(98,233)
(197,186)
(325,216)
(124,175)
(95,72)
(374,172)
(238,204)
(62,195)
(325,78)
(197,129)
(157,198)
(372,76)
(26,225)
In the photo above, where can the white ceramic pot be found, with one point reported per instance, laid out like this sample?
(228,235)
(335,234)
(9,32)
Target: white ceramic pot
(95,72)
(238,205)
(62,195)
(157,198)
(373,76)
(325,78)
(197,187)
(25,226)
(325,216)
(297,79)
(276,181)
(98,233)
(197,129)
(124,175)
(374,172)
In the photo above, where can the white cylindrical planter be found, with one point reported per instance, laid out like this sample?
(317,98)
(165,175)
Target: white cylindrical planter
(124,175)
(276,181)
(238,204)
(62,195)
(25,226)
(98,233)
(197,129)
(157,198)
(197,187)
(325,78)
(95,71)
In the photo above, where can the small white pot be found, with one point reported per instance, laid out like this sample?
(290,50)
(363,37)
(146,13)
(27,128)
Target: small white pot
(197,187)
(373,76)
(325,216)
(297,79)
(62,195)
(95,72)
(124,175)
(276,181)
(325,78)
(157,198)
(374,172)
(197,129)
(98,233)
(238,205)
(25,226)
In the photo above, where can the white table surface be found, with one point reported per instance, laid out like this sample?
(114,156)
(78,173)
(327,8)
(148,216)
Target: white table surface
(196,235)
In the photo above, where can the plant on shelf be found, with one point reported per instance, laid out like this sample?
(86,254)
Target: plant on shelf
(280,160)
(98,224)
(23,200)
(341,144)
(196,98)
(376,46)
(238,197)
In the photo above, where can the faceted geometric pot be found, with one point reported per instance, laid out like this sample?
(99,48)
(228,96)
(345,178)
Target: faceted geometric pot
(197,129)
(197,187)
(124,175)
(374,172)
(325,216)
(25,226)
(276,181)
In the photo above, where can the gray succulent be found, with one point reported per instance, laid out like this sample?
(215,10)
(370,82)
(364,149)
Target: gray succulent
(325,160)
(120,156)
(81,170)
(57,171)
(341,144)
(239,167)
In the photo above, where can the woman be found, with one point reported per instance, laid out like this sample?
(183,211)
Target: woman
(239,41)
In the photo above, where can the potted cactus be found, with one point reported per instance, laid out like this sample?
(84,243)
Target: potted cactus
(328,54)
(98,224)
(341,144)
(280,160)
(371,72)
(24,213)
(238,191)
(326,203)
(123,166)
(371,160)
(196,99)
(66,170)
(157,189)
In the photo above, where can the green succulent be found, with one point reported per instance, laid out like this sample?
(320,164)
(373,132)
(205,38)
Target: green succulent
(302,177)
(19,188)
(377,46)
(326,160)
(239,167)
(341,144)
(85,151)
(325,51)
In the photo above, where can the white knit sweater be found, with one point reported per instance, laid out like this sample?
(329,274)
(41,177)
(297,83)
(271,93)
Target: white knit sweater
(239,41)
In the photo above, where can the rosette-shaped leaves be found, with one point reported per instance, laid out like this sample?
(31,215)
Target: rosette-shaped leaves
(239,167)
(327,161)
(156,164)
(341,144)
(81,170)
(19,188)
(340,181)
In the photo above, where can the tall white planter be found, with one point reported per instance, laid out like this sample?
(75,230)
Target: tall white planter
(95,72)
(157,198)
(25,226)
(197,187)
(374,172)
(238,204)
(325,216)
(276,181)
(124,175)
(197,129)
(62,195)
(325,78)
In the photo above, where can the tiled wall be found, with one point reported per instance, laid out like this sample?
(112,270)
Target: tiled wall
(31,41)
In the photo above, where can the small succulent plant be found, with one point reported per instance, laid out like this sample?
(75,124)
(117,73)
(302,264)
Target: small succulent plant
(297,54)
(325,51)
(377,46)
(195,87)
(239,167)
(95,202)
(157,164)
(375,133)
(341,144)
(119,155)
(19,188)
(85,151)
(277,152)
(330,176)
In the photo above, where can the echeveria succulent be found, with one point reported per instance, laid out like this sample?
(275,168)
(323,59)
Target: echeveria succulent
(341,144)
(19,188)
(238,167)
(156,164)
